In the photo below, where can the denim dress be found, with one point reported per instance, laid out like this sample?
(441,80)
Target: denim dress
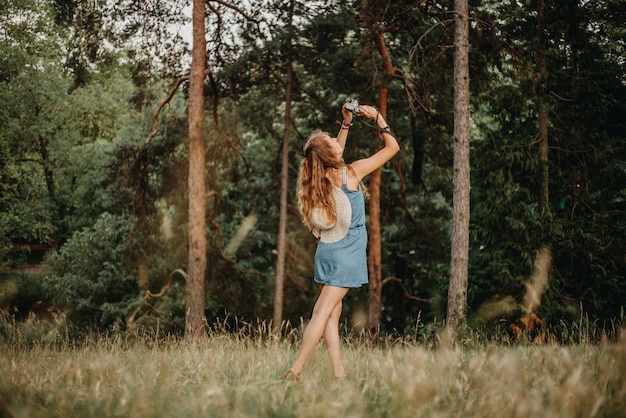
(344,263)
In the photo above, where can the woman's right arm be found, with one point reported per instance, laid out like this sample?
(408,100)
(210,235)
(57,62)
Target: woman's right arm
(367,165)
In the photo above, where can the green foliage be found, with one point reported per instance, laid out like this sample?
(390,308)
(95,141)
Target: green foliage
(241,281)
(31,84)
(88,279)
(585,160)
(78,94)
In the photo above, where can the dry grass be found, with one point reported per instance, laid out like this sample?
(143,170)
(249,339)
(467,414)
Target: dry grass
(233,376)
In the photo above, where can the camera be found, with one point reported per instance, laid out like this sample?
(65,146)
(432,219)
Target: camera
(353,106)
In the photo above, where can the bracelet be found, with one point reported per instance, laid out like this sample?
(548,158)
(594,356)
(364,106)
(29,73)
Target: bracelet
(346,124)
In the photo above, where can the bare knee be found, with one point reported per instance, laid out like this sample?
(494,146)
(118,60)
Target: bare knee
(329,302)
(336,313)
(322,310)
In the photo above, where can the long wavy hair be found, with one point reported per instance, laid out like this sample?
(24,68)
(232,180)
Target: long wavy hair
(314,189)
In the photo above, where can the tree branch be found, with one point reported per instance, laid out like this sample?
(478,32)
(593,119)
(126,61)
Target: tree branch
(403,196)
(404,289)
(173,91)
(133,317)
(237,9)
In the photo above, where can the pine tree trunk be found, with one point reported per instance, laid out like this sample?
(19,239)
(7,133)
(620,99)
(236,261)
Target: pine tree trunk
(374,260)
(374,264)
(284,187)
(459,257)
(542,73)
(194,289)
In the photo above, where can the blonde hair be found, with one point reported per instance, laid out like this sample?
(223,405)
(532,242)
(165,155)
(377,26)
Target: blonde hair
(314,188)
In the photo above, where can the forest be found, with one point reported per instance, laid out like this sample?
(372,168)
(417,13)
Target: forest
(95,155)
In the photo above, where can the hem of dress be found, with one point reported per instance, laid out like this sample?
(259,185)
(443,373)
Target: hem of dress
(339,285)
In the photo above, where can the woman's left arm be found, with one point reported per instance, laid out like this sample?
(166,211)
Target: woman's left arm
(365,166)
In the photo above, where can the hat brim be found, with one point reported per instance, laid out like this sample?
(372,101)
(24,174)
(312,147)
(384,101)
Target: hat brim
(344,217)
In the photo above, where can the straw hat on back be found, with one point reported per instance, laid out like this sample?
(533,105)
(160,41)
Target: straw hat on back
(327,231)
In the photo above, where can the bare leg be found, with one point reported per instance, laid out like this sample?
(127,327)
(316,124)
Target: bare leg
(331,336)
(328,300)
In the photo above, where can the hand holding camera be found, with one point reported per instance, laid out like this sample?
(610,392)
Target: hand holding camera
(370,112)
(367,111)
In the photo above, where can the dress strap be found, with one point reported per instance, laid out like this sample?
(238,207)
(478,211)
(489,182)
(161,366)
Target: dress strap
(344,177)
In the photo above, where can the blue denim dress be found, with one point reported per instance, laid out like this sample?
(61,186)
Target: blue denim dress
(344,263)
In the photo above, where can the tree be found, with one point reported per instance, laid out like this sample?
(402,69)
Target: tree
(195,277)
(542,105)
(65,150)
(194,290)
(283,49)
(284,184)
(459,255)
(32,85)
(88,279)
(393,19)
(374,263)
(575,100)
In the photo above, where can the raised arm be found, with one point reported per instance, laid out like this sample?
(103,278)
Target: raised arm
(342,136)
(365,166)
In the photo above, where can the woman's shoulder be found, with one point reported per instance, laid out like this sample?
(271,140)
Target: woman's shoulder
(336,177)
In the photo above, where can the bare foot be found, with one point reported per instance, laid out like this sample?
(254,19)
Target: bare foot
(291,375)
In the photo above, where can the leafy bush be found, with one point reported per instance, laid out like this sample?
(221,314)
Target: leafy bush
(88,278)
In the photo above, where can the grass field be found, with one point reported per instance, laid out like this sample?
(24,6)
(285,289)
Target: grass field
(236,376)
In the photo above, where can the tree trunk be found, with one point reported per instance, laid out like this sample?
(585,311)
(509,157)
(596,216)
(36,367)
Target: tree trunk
(194,290)
(459,257)
(374,260)
(284,187)
(542,74)
(49,176)
(374,264)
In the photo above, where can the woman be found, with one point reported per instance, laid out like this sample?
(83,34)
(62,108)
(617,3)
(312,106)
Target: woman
(332,206)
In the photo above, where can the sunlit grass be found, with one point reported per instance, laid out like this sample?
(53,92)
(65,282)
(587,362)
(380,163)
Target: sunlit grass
(235,375)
